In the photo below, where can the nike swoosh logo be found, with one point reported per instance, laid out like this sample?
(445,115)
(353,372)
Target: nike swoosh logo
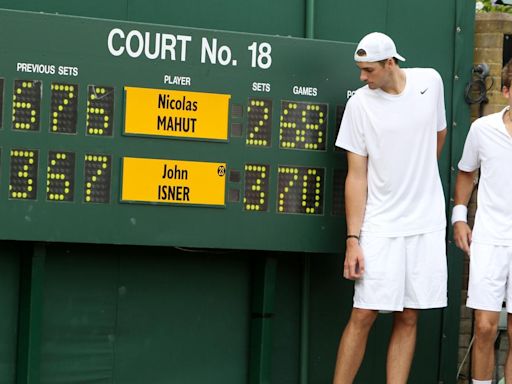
(425,90)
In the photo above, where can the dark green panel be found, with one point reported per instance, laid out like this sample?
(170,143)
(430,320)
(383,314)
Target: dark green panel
(286,320)
(9,283)
(285,17)
(373,368)
(463,60)
(25,5)
(348,20)
(263,292)
(330,306)
(32,270)
(420,44)
(425,367)
(79,319)
(112,9)
(182,317)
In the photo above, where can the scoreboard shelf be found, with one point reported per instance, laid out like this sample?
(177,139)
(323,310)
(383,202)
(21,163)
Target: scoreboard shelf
(160,135)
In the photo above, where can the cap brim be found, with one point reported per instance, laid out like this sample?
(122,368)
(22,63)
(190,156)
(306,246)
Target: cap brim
(399,57)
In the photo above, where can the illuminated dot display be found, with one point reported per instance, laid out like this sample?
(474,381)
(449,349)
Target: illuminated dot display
(97,178)
(60,176)
(100,110)
(64,103)
(338,192)
(340,110)
(259,122)
(256,187)
(26,105)
(302,125)
(300,190)
(1,101)
(23,180)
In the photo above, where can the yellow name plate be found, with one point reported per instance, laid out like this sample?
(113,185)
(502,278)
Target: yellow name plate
(173,181)
(161,112)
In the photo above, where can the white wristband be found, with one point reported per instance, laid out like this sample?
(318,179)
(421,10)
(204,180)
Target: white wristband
(460,213)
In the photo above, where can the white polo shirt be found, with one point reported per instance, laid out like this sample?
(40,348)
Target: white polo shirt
(489,147)
(398,134)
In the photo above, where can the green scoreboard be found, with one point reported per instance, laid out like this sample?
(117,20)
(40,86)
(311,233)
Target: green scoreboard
(130,133)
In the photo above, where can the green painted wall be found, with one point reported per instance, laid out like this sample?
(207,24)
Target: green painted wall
(177,317)
(9,283)
(122,313)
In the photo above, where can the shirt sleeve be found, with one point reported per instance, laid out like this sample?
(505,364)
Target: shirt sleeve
(351,133)
(441,110)
(470,159)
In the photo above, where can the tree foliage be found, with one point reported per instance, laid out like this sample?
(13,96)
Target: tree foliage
(485,6)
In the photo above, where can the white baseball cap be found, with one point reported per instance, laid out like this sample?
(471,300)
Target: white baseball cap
(376,46)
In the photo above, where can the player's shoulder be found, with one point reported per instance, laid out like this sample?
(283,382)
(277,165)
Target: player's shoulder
(486,122)
(358,96)
(425,73)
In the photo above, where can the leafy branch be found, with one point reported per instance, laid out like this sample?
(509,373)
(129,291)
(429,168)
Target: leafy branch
(485,6)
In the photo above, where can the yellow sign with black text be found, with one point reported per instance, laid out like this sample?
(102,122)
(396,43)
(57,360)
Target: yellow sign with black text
(173,181)
(162,112)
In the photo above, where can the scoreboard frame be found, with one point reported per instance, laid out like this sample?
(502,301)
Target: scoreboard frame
(61,172)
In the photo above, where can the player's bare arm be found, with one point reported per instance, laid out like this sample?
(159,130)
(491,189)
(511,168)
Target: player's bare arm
(356,192)
(463,188)
(441,138)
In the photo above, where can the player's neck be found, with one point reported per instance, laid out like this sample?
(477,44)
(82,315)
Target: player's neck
(396,83)
(507,120)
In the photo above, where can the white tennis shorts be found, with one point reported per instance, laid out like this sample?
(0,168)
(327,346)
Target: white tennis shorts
(490,270)
(403,272)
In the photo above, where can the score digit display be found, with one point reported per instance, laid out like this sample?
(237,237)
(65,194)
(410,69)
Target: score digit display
(97,178)
(26,105)
(338,192)
(303,125)
(64,105)
(60,178)
(100,110)
(300,190)
(259,118)
(23,180)
(256,187)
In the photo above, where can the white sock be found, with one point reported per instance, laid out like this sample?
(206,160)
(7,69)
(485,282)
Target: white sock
(481,381)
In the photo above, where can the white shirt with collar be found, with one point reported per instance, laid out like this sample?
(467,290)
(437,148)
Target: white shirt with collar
(398,134)
(489,147)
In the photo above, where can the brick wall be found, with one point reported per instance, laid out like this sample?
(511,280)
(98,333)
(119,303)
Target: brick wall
(490,29)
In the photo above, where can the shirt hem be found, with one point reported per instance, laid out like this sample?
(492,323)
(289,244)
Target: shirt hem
(466,168)
(403,234)
(501,243)
(380,307)
(352,149)
(482,307)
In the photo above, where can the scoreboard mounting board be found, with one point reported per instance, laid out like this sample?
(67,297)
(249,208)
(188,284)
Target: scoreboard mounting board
(129,133)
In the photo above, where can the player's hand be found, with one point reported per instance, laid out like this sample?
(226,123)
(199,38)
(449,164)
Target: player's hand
(462,236)
(353,268)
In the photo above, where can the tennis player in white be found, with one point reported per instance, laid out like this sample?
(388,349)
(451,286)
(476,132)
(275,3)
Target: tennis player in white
(488,147)
(393,130)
